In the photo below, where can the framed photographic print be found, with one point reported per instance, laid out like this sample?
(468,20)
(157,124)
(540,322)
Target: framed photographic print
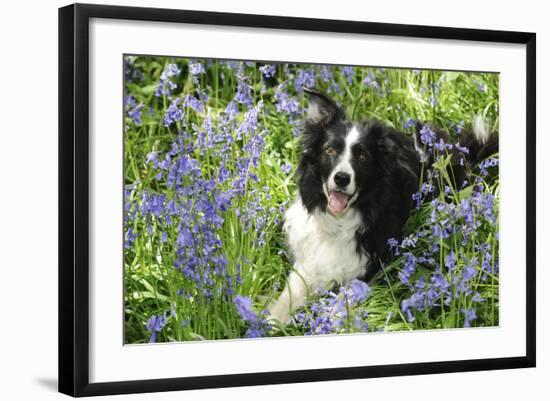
(259,195)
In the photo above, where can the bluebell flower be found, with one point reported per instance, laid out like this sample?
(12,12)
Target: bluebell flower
(409,241)
(244,308)
(286,103)
(286,167)
(329,312)
(360,291)
(440,231)
(128,68)
(244,93)
(268,70)
(469,316)
(486,164)
(417,197)
(410,122)
(482,87)
(393,243)
(462,149)
(450,261)
(129,101)
(152,157)
(195,103)
(440,282)
(410,316)
(257,326)
(326,73)
(166,84)
(173,113)
(304,78)
(129,238)
(478,298)
(170,71)
(134,110)
(426,188)
(441,145)
(196,68)
(334,88)
(469,270)
(458,127)
(370,81)
(135,114)
(154,325)
(409,268)
(359,323)
(427,136)
(185,238)
(349,73)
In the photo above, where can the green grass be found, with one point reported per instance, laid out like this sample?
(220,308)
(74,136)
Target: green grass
(246,255)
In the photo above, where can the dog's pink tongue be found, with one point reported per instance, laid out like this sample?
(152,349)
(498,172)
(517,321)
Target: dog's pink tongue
(337,201)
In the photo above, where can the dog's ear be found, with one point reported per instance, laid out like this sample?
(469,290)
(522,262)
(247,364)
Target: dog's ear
(321,109)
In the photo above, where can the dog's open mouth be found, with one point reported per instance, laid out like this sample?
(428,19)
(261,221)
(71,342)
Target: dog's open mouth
(337,201)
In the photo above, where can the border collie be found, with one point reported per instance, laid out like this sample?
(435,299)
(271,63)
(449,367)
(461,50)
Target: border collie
(355,187)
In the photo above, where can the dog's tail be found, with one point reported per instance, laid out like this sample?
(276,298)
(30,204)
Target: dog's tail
(473,145)
(480,141)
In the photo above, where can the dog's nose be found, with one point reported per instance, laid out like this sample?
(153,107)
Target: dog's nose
(341,179)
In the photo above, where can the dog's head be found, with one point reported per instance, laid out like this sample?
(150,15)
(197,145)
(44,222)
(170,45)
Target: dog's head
(344,161)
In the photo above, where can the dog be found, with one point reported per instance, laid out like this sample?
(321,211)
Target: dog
(355,186)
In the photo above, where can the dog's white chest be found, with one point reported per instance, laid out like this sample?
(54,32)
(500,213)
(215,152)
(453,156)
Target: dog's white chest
(324,246)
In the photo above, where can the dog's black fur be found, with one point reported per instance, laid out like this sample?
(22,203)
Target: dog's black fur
(387,169)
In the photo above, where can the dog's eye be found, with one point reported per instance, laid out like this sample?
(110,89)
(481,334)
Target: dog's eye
(362,156)
(329,150)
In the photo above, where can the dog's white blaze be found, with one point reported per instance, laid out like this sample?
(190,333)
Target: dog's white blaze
(344,165)
(325,251)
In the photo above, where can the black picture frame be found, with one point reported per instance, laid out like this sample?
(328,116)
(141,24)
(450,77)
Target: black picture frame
(74,194)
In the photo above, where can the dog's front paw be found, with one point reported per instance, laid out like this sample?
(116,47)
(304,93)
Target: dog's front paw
(278,313)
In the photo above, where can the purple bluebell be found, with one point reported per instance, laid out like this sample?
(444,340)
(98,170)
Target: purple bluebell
(458,127)
(173,113)
(326,73)
(286,167)
(348,73)
(244,92)
(409,268)
(370,81)
(268,70)
(462,149)
(469,316)
(304,78)
(244,308)
(450,261)
(409,123)
(482,87)
(417,198)
(427,136)
(286,103)
(154,325)
(193,102)
(166,84)
(196,68)
(129,238)
(360,291)
(135,114)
